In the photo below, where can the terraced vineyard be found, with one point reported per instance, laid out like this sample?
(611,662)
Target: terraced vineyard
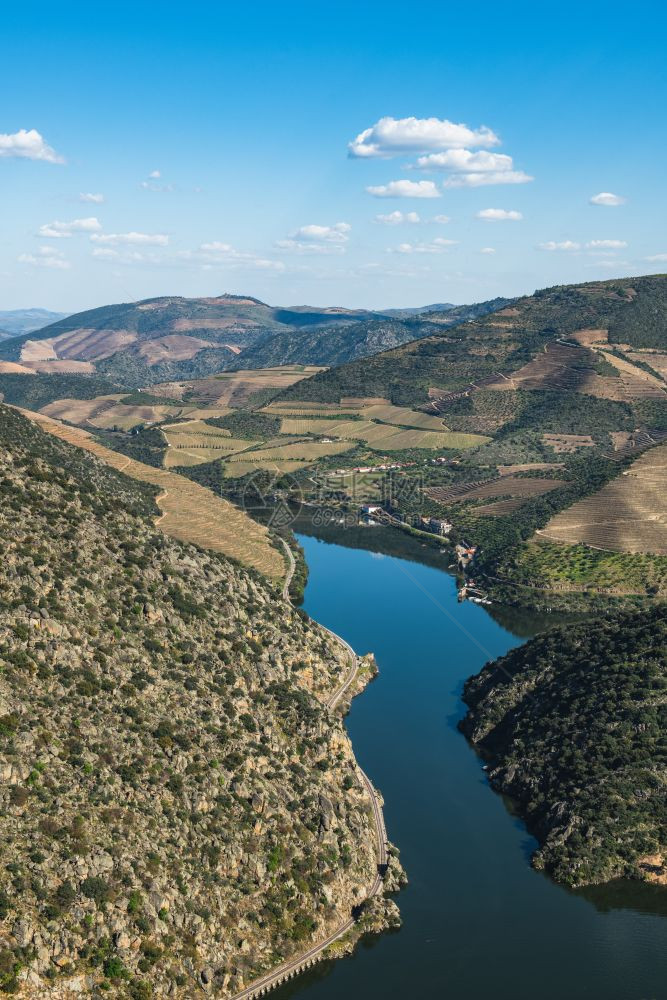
(234,388)
(110,412)
(514,489)
(628,515)
(382,437)
(304,451)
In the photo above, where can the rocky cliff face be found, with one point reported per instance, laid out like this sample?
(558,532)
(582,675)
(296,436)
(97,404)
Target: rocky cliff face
(179,812)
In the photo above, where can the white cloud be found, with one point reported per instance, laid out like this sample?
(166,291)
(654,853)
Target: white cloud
(219,254)
(45,257)
(153,186)
(96,199)
(308,247)
(657,258)
(393,136)
(315,239)
(563,245)
(126,256)
(463,161)
(323,234)
(28,144)
(607,198)
(63,230)
(130,239)
(488,250)
(405,189)
(155,175)
(438,245)
(499,215)
(606,245)
(441,219)
(484,179)
(397,218)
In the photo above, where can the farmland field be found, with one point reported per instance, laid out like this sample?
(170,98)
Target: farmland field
(505,486)
(307,451)
(110,412)
(234,470)
(233,388)
(627,515)
(190,430)
(381,436)
(567,443)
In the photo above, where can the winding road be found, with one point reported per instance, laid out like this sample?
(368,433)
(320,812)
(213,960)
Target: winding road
(291,968)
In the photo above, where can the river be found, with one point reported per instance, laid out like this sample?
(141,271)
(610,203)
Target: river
(478,922)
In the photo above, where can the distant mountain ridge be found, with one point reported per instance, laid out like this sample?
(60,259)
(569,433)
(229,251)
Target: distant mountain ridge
(14,322)
(172,337)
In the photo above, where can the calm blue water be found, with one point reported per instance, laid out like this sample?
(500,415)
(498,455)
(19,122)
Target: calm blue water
(478,922)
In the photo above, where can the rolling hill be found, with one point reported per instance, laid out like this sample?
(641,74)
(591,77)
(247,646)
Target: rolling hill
(331,346)
(158,340)
(15,322)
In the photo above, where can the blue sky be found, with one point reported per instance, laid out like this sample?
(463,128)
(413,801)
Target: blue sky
(232,149)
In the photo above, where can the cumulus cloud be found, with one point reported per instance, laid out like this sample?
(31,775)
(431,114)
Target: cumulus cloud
(397,218)
(63,230)
(309,247)
(96,199)
(337,233)
(499,215)
(441,219)
(45,257)
(492,177)
(28,144)
(155,175)
(463,161)
(316,239)
(607,198)
(438,245)
(563,245)
(657,258)
(218,254)
(125,256)
(488,250)
(606,245)
(130,239)
(405,189)
(393,136)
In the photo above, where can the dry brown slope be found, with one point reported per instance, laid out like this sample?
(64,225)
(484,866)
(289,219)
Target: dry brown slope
(190,512)
(629,514)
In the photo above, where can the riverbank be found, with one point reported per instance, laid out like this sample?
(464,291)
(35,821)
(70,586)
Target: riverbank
(376,913)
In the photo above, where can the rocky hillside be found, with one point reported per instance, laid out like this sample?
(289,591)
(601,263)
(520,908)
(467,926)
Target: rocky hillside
(573,727)
(179,810)
(336,345)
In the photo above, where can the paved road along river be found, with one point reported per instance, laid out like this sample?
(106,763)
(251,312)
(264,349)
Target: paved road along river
(478,921)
